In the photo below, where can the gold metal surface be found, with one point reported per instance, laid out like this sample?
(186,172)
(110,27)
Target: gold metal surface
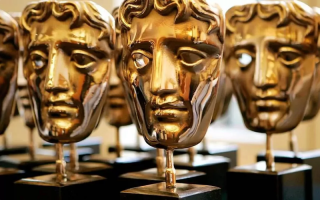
(313,105)
(171,65)
(271,70)
(22,95)
(117,111)
(67,68)
(9,61)
(160,161)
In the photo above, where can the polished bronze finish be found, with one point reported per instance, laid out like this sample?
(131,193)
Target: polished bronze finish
(271,70)
(67,68)
(171,72)
(314,102)
(9,61)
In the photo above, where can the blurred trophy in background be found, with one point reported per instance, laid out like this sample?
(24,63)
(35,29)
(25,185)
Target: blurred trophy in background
(272,75)
(172,52)
(309,156)
(67,71)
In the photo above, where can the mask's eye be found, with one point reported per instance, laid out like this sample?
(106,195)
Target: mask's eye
(190,56)
(83,59)
(289,56)
(38,59)
(141,58)
(244,58)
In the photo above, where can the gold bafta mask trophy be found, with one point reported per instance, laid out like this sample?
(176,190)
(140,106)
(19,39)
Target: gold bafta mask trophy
(9,60)
(67,71)
(34,157)
(308,156)
(270,58)
(171,65)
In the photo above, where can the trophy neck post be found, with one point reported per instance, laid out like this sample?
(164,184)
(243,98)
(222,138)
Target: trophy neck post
(32,148)
(160,162)
(118,143)
(192,151)
(60,164)
(293,142)
(74,157)
(269,153)
(170,172)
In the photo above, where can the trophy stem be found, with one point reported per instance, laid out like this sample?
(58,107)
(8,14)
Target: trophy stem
(192,151)
(5,141)
(118,143)
(204,145)
(74,157)
(170,171)
(293,142)
(269,153)
(32,149)
(60,164)
(160,162)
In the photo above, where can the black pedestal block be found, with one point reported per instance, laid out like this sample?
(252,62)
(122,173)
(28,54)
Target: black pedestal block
(14,150)
(7,179)
(92,142)
(216,149)
(149,150)
(215,168)
(285,182)
(182,191)
(79,187)
(128,162)
(150,176)
(85,168)
(311,158)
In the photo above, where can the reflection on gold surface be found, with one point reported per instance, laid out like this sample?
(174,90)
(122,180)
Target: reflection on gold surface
(171,66)
(271,70)
(67,68)
(9,61)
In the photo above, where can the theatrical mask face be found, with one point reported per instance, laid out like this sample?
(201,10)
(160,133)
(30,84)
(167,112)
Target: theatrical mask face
(67,74)
(117,111)
(172,78)
(314,101)
(224,95)
(9,59)
(272,74)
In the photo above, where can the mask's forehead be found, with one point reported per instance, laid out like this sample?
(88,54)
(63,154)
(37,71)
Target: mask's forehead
(292,33)
(47,32)
(156,27)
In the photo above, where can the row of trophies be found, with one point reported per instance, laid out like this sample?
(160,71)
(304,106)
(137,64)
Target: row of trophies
(174,65)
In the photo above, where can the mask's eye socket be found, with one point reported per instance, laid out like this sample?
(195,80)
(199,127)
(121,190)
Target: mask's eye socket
(141,58)
(244,58)
(82,59)
(38,59)
(191,57)
(289,56)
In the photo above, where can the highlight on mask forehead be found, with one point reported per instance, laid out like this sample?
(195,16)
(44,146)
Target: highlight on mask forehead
(199,9)
(286,11)
(81,12)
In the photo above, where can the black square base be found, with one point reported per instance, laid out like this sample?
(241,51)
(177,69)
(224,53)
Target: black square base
(128,162)
(7,179)
(182,191)
(13,150)
(78,187)
(311,158)
(285,182)
(215,167)
(152,151)
(150,176)
(217,149)
(92,142)
(23,162)
(84,168)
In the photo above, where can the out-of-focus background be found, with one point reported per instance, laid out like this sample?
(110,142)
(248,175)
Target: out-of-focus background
(228,129)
